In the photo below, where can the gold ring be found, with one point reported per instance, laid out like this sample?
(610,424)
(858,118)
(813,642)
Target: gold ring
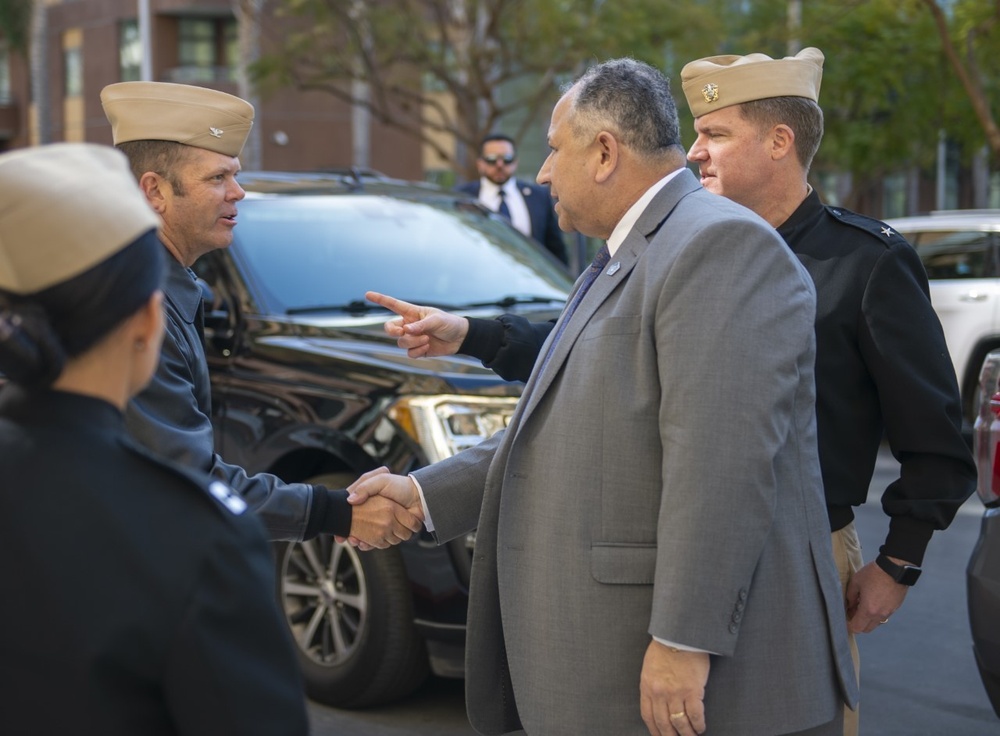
(678,715)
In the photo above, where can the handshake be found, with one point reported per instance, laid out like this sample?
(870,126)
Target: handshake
(387,510)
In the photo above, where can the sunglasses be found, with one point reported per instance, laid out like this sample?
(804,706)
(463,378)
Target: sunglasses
(494,160)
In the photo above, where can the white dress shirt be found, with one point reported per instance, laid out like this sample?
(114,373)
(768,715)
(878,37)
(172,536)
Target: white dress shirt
(489,196)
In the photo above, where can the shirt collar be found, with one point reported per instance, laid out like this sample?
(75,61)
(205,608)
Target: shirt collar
(491,188)
(631,216)
(182,288)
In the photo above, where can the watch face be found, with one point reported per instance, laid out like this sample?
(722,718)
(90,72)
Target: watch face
(909,575)
(902,574)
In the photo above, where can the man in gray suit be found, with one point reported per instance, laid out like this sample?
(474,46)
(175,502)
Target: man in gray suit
(653,515)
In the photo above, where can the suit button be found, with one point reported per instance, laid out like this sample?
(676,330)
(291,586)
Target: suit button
(733,628)
(743,594)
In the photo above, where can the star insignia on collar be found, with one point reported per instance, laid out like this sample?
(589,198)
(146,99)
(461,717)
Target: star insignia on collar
(888,232)
(215,132)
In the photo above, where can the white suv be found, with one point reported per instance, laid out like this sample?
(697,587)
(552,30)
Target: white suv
(960,250)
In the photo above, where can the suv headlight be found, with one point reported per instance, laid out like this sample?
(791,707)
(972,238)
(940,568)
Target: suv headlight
(445,425)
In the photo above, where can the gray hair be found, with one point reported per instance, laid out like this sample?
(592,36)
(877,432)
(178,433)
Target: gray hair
(800,114)
(630,99)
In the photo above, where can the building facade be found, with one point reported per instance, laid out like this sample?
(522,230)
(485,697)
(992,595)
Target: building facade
(89,44)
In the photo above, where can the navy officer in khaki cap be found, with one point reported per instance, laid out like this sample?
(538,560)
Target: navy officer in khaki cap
(139,593)
(183,142)
(882,366)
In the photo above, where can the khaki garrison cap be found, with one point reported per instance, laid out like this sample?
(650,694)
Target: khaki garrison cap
(64,208)
(716,82)
(194,116)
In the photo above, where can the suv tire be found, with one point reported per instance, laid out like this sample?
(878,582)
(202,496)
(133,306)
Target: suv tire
(350,616)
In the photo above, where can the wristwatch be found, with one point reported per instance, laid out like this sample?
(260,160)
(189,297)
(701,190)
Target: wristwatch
(902,574)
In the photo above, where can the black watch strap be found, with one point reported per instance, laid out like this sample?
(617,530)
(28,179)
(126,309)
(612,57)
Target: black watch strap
(902,574)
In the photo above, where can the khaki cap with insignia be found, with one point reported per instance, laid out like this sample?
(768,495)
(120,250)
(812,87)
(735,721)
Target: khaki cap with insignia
(194,116)
(716,82)
(64,208)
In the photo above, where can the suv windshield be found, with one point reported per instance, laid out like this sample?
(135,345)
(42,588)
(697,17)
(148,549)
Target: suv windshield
(331,249)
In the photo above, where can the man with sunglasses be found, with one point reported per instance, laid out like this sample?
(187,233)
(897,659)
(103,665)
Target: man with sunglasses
(528,206)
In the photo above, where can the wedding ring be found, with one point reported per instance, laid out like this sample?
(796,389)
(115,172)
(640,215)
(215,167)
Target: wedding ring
(678,715)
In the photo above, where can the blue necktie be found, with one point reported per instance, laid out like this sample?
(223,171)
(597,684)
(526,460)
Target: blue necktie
(596,267)
(503,210)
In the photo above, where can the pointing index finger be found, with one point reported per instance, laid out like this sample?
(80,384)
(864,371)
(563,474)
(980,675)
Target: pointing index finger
(403,309)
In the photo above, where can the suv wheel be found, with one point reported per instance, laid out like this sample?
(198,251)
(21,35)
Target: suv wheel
(350,614)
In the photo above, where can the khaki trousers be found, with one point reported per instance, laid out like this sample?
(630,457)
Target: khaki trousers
(847,555)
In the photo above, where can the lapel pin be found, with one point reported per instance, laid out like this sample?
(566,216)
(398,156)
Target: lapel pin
(614,268)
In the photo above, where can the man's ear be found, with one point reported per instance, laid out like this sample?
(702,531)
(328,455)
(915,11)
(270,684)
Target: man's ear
(153,186)
(607,148)
(782,142)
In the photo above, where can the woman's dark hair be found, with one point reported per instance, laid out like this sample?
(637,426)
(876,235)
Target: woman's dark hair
(39,332)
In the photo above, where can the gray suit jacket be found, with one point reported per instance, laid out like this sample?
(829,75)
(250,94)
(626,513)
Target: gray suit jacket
(660,477)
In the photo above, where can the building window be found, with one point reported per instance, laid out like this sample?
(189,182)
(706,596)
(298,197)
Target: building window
(73,69)
(129,51)
(207,49)
(232,44)
(5,97)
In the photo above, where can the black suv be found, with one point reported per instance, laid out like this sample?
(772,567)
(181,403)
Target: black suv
(306,385)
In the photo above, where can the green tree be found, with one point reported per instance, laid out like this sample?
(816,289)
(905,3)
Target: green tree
(446,70)
(970,41)
(15,24)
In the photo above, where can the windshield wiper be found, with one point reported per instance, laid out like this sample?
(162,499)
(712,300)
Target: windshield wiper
(511,300)
(358,306)
(361,306)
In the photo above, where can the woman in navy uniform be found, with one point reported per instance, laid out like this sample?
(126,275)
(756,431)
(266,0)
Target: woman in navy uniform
(138,595)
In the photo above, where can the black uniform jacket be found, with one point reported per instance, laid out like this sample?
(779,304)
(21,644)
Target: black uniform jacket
(882,369)
(138,597)
(172,416)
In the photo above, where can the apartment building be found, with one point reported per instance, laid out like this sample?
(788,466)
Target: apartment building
(92,43)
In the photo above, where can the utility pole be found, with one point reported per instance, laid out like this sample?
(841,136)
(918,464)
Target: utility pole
(794,26)
(146,42)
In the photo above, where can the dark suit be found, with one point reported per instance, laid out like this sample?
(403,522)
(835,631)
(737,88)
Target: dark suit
(136,601)
(544,223)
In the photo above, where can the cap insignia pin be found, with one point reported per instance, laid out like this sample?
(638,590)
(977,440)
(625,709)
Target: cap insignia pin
(710,92)
(216,132)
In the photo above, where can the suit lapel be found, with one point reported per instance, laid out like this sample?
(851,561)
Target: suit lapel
(612,278)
